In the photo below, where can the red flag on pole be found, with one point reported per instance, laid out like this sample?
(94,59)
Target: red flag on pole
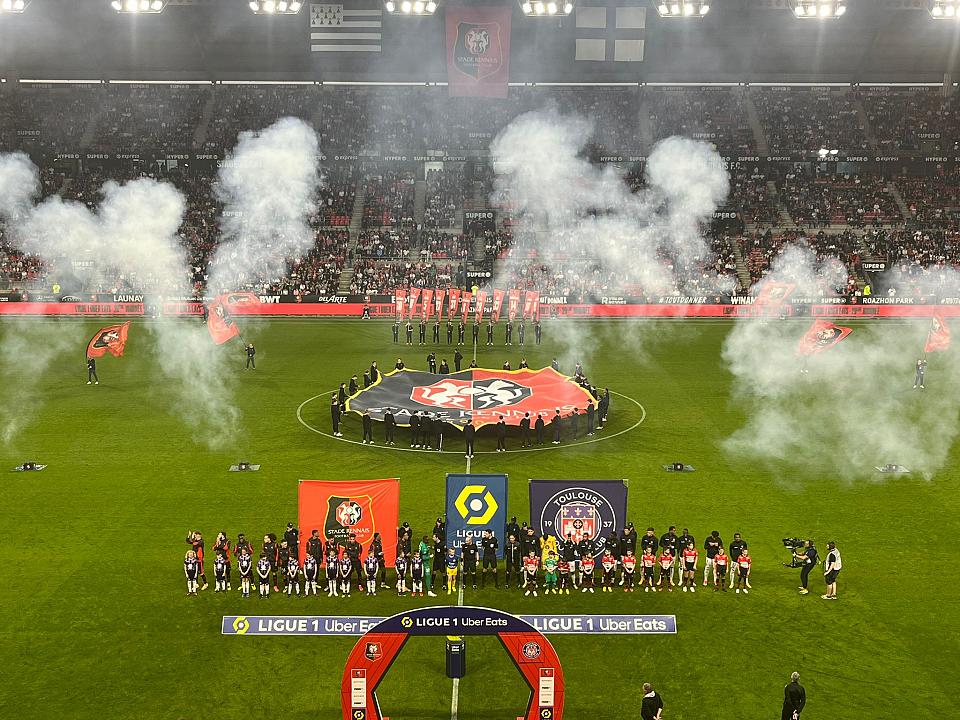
(414,299)
(481,301)
(939,336)
(513,303)
(454,303)
(497,305)
(465,306)
(110,339)
(774,294)
(438,301)
(427,303)
(400,298)
(821,336)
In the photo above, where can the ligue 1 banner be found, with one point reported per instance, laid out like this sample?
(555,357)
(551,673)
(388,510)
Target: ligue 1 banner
(582,509)
(339,508)
(478,51)
(475,504)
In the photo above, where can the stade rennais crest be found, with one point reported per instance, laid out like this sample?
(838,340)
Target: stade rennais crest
(478,395)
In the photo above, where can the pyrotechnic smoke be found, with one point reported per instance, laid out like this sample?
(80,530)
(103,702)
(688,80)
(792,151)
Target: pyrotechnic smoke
(131,236)
(268,186)
(855,408)
(19,184)
(572,210)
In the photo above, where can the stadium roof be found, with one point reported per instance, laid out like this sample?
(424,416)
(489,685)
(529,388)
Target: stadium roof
(739,41)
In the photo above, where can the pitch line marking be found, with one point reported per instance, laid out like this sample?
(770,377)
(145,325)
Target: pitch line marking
(381,446)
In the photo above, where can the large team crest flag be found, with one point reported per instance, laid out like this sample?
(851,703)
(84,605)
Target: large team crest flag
(219,322)
(939,336)
(821,336)
(475,504)
(774,294)
(339,508)
(478,50)
(110,339)
(581,509)
(475,394)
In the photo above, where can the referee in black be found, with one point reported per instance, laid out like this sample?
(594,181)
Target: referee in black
(794,698)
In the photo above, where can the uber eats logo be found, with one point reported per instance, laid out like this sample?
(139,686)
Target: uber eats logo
(476,504)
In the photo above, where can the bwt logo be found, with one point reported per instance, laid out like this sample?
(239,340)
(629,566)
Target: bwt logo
(476,504)
(466,395)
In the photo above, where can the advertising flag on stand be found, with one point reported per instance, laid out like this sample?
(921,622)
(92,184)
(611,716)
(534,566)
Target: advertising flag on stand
(481,301)
(584,509)
(478,50)
(400,298)
(821,336)
(438,301)
(497,305)
(414,299)
(453,304)
(465,306)
(475,504)
(110,339)
(513,303)
(939,336)
(427,303)
(338,508)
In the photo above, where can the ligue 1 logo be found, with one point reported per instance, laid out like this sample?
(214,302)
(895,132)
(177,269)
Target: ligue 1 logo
(531,650)
(581,513)
(349,513)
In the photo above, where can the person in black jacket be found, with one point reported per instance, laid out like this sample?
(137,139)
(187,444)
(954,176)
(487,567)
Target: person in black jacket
(292,536)
(512,558)
(651,706)
(438,428)
(555,424)
(92,371)
(794,698)
(374,372)
(335,415)
(513,528)
(476,333)
(432,362)
(342,396)
(426,431)
(352,390)
(449,332)
(389,426)
(251,352)
(396,331)
(457,359)
(591,416)
(501,435)
(525,431)
(367,427)
(468,435)
(415,430)
(436,332)
(538,426)
(444,367)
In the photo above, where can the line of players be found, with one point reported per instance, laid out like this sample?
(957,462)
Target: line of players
(566,565)
(461,331)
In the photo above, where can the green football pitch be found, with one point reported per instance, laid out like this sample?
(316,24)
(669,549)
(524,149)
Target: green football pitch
(96,623)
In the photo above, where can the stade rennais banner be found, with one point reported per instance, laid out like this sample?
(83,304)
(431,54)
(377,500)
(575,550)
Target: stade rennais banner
(590,509)
(478,51)
(338,508)
(475,504)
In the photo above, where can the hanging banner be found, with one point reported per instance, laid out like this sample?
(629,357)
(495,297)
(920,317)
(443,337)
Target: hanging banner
(475,504)
(454,303)
(513,303)
(481,301)
(438,301)
(583,509)
(531,304)
(497,305)
(400,298)
(465,306)
(478,51)
(414,299)
(339,508)
(427,303)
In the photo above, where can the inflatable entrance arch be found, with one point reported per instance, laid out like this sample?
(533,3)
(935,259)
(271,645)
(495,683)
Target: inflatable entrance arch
(529,650)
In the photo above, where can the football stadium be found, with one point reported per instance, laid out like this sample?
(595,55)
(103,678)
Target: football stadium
(479,359)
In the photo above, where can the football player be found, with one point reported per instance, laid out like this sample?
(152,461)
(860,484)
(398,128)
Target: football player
(223,545)
(293,575)
(689,558)
(191,569)
(720,562)
(550,573)
(310,571)
(648,561)
(531,564)
(629,563)
(263,576)
(195,541)
(711,545)
(245,567)
(666,567)
(587,565)
(608,564)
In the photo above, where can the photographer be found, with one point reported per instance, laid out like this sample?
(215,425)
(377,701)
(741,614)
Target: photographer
(808,558)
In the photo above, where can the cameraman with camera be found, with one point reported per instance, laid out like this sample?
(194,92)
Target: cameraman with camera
(808,558)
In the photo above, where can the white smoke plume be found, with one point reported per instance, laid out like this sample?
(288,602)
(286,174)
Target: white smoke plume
(268,186)
(582,221)
(854,409)
(131,237)
(19,184)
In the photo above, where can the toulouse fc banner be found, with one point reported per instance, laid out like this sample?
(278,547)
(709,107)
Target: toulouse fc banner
(339,508)
(478,51)
(475,504)
(583,509)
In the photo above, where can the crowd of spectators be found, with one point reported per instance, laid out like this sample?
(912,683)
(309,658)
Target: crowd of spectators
(445,191)
(388,199)
(805,121)
(370,276)
(821,200)
(134,118)
(714,115)
(337,196)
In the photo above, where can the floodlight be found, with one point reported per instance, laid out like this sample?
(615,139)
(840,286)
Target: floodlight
(551,8)
(431,7)
(943,9)
(682,8)
(13,6)
(823,9)
(406,6)
(546,8)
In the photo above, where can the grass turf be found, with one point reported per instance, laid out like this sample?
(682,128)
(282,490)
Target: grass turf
(97,624)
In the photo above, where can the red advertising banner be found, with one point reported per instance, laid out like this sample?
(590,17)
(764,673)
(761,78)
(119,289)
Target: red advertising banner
(339,508)
(465,306)
(438,301)
(478,51)
(414,299)
(531,304)
(497,305)
(481,301)
(427,303)
(513,303)
(400,297)
(454,303)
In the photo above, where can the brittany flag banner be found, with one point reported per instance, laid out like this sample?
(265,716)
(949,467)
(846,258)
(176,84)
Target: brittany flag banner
(336,28)
(821,336)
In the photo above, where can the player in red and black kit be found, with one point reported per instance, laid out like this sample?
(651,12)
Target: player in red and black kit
(563,570)
(195,540)
(629,563)
(648,562)
(223,546)
(720,564)
(608,564)
(689,560)
(743,571)
(587,566)
(531,563)
(666,567)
